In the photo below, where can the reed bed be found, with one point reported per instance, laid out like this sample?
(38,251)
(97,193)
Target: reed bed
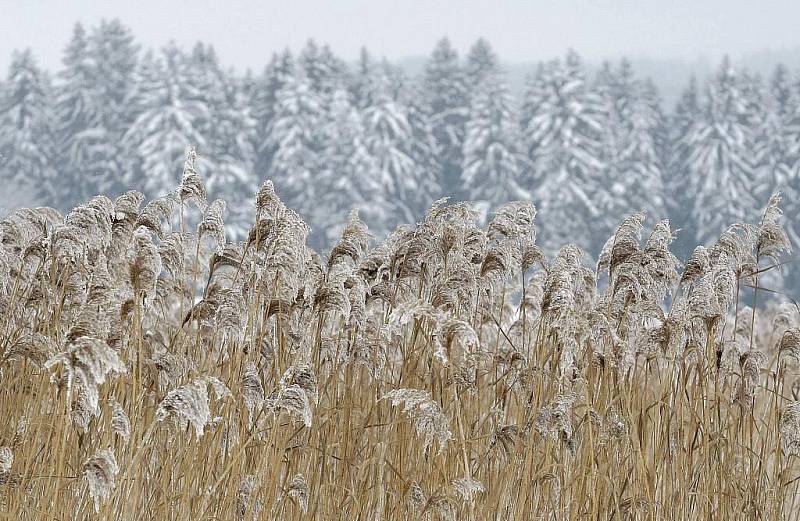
(151,370)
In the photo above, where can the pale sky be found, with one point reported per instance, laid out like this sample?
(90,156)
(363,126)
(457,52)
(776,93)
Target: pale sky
(246,32)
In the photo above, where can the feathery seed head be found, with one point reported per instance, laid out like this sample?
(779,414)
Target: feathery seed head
(89,361)
(100,472)
(146,264)
(790,428)
(191,187)
(467,488)
(6,460)
(190,403)
(772,239)
(120,423)
(298,489)
(213,223)
(292,399)
(429,420)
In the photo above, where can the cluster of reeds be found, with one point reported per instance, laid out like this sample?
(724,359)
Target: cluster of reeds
(152,370)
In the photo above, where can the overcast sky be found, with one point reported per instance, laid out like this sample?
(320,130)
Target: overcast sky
(246,32)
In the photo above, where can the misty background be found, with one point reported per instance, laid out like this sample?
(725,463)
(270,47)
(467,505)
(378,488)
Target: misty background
(666,41)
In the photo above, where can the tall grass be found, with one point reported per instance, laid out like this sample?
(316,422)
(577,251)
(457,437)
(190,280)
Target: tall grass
(150,370)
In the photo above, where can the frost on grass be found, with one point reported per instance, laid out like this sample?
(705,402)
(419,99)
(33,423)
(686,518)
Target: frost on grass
(120,423)
(790,428)
(248,488)
(88,361)
(428,418)
(555,419)
(252,390)
(298,489)
(6,460)
(189,403)
(470,324)
(467,488)
(297,391)
(293,400)
(100,472)
(303,376)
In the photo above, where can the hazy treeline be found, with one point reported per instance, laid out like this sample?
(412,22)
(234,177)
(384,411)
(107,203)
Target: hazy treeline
(333,135)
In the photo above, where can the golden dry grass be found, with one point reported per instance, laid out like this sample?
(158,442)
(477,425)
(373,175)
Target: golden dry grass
(451,372)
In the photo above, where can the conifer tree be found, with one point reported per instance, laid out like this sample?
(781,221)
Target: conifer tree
(778,141)
(93,111)
(76,105)
(564,143)
(634,140)
(481,63)
(717,155)
(390,141)
(27,141)
(533,95)
(232,157)
(171,115)
(447,103)
(492,162)
(362,84)
(778,156)
(348,176)
(294,141)
(685,117)
(325,72)
(279,70)
(77,116)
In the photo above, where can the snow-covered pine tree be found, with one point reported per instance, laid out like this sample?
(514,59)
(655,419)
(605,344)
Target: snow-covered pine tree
(294,141)
(348,176)
(481,63)
(533,94)
(790,189)
(423,145)
(362,83)
(325,72)
(645,154)
(248,84)
(493,164)
(397,80)
(234,178)
(755,99)
(115,56)
(634,143)
(76,106)
(447,103)
(93,111)
(718,168)
(687,109)
(27,142)
(263,105)
(325,75)
(683,119)
(563,141)
(390,139)
(208,81)
(778,140)
(77,114)
(614,88)
(171,113)
(778,153)
(228,132)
